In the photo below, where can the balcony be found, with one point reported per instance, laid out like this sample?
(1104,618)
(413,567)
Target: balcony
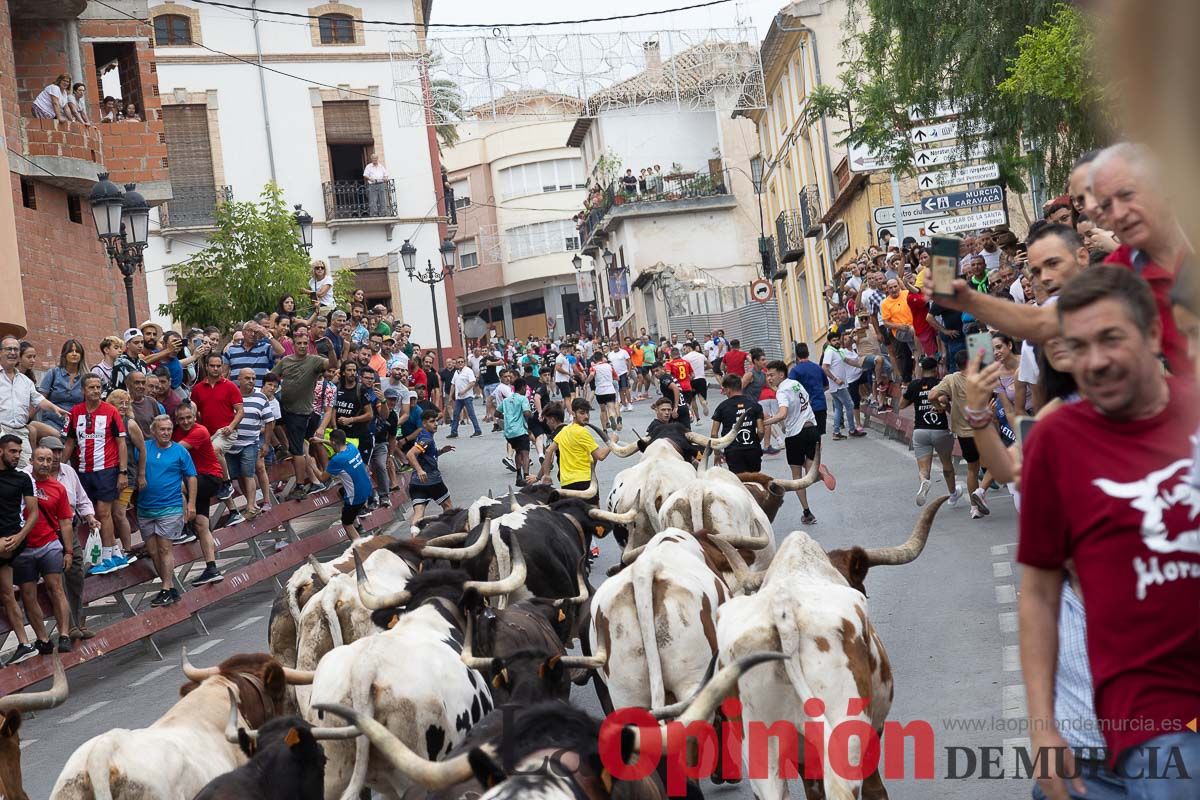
(193,208)
(355,203)
(810,210)
(789,231)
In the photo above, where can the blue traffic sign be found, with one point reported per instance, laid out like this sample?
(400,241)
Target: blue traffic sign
(971,198)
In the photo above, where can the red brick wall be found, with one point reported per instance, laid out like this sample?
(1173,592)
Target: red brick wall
(8,79)
(39,49)
(70,289)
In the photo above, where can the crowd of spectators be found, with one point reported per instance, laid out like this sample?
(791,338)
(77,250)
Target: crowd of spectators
(67,102)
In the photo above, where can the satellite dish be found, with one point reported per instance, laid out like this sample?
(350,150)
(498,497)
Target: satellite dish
(474,327)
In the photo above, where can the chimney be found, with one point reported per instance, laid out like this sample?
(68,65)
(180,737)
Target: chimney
(653,57)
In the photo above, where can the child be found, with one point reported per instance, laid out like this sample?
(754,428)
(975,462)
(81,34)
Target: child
(515,412)
(427,484)
(351,472)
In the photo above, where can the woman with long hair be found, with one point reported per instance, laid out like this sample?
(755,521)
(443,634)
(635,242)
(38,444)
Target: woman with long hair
(63,384)
(26,360)
(285,308)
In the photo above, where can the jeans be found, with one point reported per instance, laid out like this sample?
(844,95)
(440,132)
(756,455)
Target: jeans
(1100,782)
(459,405)
(379,456)
(1153,772)
(842,405)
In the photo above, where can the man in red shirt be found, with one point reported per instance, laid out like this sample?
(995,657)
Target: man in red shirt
(96,435)
(735,359)
(217,399)
(681,371)
(49,548)
(209,475)
(1105,493)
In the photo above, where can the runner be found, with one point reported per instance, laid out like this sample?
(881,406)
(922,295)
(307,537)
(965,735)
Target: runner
(354,484)
(516,412)
(606,382)
(577,451)
(931,432)
(695,359)
(744,453)
(800,431)
(427,484)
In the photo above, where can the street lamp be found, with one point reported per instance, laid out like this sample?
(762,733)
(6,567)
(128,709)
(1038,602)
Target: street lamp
(304,222)
(431,278)
(123,227)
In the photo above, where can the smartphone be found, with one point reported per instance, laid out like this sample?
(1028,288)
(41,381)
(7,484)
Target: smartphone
(1024,428)
(981,342)
(943,258)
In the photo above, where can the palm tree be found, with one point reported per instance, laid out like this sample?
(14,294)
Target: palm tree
(447,109)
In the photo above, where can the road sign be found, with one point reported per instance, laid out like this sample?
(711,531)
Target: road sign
(944,155)
(973,173)
(761,290)
(863,159)
(941,131)
(971,198)
(942,109)
(910,212)
(965,222)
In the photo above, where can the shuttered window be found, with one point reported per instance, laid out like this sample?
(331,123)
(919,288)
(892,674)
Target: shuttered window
(189,159)
(348,122)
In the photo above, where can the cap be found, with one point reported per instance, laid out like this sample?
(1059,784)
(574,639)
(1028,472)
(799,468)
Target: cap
(53,442)
(391,393)
(131,333)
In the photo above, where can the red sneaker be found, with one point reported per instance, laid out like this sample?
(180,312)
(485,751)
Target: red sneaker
(827,477)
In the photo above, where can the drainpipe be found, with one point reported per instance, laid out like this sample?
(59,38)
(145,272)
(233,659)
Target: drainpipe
(262,88)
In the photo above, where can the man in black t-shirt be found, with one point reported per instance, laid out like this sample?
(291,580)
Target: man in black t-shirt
(669,387)
(931,431)
(351,411)
(744,454)
(16,488)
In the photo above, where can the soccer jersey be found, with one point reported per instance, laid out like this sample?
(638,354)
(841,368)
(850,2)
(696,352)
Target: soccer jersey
(427,457)
(348,468)
(96,434)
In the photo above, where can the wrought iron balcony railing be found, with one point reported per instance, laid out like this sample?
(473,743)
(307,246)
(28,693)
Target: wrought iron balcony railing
(193,207)
(349,200)
(810,210)
(789,232)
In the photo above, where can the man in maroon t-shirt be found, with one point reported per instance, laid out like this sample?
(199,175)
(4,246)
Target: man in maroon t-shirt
(217,399)
(1105,492)
(209,474)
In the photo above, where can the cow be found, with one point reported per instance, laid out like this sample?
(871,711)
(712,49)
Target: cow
(546,750)
(11,708)
(286,760)
(811,606)
(518,648)
(410,677)
(184,749)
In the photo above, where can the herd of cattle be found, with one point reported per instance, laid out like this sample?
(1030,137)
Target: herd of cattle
(405,667)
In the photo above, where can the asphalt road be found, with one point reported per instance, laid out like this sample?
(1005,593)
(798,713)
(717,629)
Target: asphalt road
(947,620)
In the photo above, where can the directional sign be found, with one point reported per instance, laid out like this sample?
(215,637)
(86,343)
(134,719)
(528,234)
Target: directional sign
(941,131)
(965,222)
(942,109)
(862,159)
(971,198)
(910,212)
(956,177)
(944,155)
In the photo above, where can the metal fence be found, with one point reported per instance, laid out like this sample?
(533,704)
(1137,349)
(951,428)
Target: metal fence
(659,189)
(359,200)
(193,207)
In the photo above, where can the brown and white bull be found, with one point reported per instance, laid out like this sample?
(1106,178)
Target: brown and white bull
(183,750)
(11,707)
(810,606)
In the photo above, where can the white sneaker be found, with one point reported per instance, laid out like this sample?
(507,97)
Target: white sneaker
(923,492)
(955,497)
(975,513)
(979,502)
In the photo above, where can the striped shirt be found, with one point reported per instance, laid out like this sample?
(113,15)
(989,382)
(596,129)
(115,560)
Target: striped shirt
(1074,711)
(96,434)
(260,358)
(256,413)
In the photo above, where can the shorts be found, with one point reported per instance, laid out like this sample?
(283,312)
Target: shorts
(242,464)
(700,388)
(296,428)
(748,460)
(970,452)
(645,369)
(169,527)
(101,485)
(125,496)
(519,443)
(689,395)
(419,494)
(716,365)
(537,428)
(802,447)
(623,382)
(314,422)
(821,416)
(927,442)
(565,388)
(350,513)
(603,399)
(584,486)
(32,563)
(489,389)
(207,487)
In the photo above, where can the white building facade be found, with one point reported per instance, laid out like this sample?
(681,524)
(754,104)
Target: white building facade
(333,91)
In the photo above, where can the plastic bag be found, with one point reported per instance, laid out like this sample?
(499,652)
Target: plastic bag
(91,549)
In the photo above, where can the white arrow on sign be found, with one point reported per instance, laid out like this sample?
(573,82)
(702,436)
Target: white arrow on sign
(863,159)
(973,173)
(942,109)
(941,131)
(966,222)
(944,155)
(911,212)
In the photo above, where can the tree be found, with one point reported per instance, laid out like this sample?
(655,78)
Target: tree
(447,110)
(1017,69)
(251,260)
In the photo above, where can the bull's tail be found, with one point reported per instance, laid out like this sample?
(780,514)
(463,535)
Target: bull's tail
(362,702)
(329,609)
(98,766)
(291,589)
(696,501)
(642,580)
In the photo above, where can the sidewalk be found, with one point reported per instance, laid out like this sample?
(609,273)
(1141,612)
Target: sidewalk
(896,425)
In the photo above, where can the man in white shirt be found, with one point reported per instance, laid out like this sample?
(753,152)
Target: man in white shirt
(839,373)
(699,383)
(562,373)
(606,391)
(989,251)
(463,386)
(620,362)
(376,176)
(800,432)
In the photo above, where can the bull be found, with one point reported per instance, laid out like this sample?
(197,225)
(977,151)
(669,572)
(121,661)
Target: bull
(184,749)
(519,648)
(811,606)
(11,708)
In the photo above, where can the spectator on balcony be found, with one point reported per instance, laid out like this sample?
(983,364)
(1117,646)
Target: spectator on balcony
(320,287)
(376,177)
(130,114)
(642,181)
(51,102)
(109,111)
(77,104)
(629,183)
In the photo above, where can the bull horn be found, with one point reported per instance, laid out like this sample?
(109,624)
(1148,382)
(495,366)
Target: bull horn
(196,673)
(468,658)
(631,553)
(320,571)
(719,442)
(36,701)
(622,450)
(231,727)
(812,476)
(369,598)
(584,494)
(490,497)
(513,505)
(510,583)
(596,661)
(750,542)
(432,775)
(744,579)
(706,701)
(612,516)
(895,556)
(581,582)
(298,677)
(459,553)
(448,539)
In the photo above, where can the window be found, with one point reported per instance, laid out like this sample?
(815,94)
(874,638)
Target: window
(28,194)
(468,254)
(336,29)
(558,175)
(172,29)
(527,241)
(462,193)
(74,210)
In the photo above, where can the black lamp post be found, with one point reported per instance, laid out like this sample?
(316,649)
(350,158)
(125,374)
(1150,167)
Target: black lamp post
(123,226)
(304,222)
(431,278)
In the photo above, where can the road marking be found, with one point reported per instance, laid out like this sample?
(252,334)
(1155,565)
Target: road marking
(1013,705)
(1012,658)
(152,675)
(1001,569)
(83,712)
(1005,593)
(247,622)
(26,742)
(1008,622)
(209,645)
(1002,549)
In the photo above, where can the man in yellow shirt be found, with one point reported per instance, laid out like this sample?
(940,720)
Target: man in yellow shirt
(577,450)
